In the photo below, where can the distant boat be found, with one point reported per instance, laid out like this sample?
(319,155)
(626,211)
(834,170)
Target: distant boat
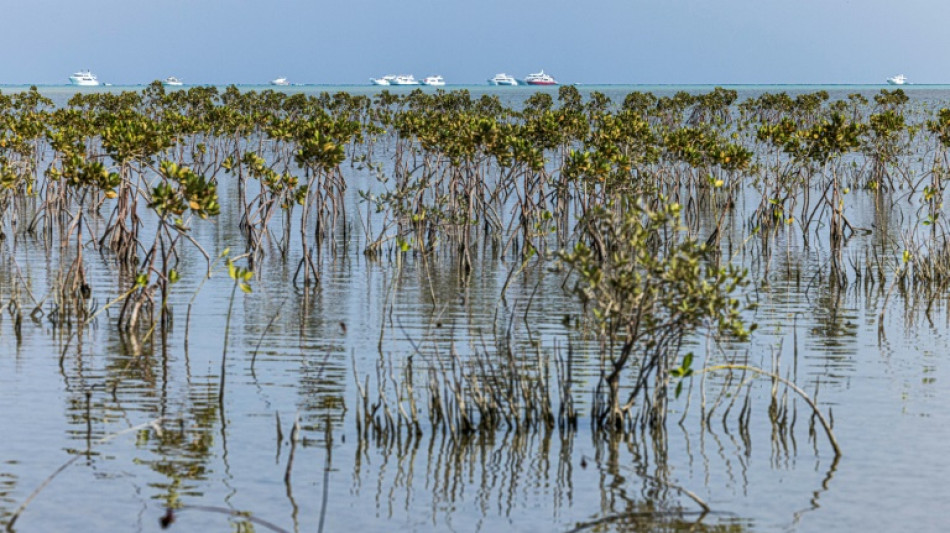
(404,79)
(435,81)
(172,81)
(540,78)
(280,81)
(502,79)
(900,79)
(385,80)
(84,78)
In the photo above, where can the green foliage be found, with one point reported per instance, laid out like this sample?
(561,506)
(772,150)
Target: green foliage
(827,139)
(241,276)
(941,127)
(641,276)
(182,189)
(683,371)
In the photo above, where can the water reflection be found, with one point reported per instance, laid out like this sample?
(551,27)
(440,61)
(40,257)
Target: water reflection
(500,476)
(182,452)
(8,490)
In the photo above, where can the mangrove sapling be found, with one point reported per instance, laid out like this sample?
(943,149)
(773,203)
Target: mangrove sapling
(131,140)
(320,154)
(884,144)
(278,192)
(647,287)
(179,190)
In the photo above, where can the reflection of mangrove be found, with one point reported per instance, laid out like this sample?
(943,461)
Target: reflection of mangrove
(509,468)
(8,486)
(183,450)
(502,472)
(182,447)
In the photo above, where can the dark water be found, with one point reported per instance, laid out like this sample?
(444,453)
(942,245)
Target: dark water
(887,396)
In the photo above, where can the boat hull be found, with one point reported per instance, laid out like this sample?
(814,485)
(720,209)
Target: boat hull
(404,79)
(540,78)
(82,82)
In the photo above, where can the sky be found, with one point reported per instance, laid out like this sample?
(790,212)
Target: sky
(592,41)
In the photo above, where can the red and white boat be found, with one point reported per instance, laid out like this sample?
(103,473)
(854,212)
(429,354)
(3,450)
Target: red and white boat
(540,78)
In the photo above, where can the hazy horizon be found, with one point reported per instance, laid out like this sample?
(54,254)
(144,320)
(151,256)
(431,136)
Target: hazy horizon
(601,42)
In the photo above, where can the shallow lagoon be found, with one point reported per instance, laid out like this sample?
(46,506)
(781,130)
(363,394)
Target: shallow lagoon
(885,395)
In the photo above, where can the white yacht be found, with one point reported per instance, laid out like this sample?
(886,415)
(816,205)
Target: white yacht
(172,81)
(84,78)
(900,79)
(280,81)
(434,81)
(404,79)
(385,80)
(502,79)
(540,78)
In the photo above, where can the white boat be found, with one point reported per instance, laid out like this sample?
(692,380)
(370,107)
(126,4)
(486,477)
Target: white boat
(84,78)
(540,78)
(900,79)
(385,80)
(502,79)
(280,81)
(404,79)
(172,81)
(435,81)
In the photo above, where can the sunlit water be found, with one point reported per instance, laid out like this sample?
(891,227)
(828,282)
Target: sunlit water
(886,394)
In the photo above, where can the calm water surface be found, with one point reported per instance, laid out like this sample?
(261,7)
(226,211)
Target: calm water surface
(887,396)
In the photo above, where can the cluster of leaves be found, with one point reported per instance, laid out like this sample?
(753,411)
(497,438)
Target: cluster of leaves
(643,278)
(182,189)
(23,122)
(241,276)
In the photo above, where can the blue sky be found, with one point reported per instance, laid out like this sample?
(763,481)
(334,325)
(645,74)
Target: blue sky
(595,41)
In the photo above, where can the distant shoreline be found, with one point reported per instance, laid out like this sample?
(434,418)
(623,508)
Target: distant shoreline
(482,85)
